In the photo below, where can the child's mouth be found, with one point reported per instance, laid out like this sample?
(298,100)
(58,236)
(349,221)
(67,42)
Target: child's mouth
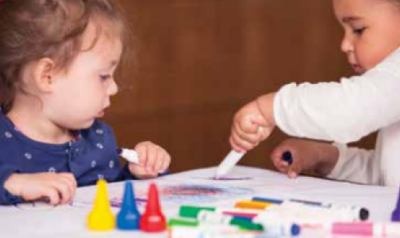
(100,114)
(357,69)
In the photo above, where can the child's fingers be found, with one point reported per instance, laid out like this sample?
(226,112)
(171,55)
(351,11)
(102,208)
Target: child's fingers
(70,179)
(252,137)
(165,164)
(259,121)
(60,184)
(52,194)
(278,163)
(138,170)
(142,154)
(236,147)
(264,133)
(238,142)
(163,156)
(152,154)
(294,171)
(65,192)
(246,125)
(158,162)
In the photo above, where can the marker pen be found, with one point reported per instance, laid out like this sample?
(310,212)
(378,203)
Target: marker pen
(213,217)
(369,229)
(190,232)
(132,157)
(228,163)
(296,213)
(128,154)
(174,222)
(252,205)
(193,211)
(287,157)
(359,213)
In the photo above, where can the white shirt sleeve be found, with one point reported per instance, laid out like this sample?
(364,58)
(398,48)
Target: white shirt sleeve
(343,112)
(356,165)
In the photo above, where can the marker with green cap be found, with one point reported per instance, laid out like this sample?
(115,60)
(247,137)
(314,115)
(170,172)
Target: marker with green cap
(211,215)
(192,211)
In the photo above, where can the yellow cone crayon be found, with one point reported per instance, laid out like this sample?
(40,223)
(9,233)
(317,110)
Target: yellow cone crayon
(101,218)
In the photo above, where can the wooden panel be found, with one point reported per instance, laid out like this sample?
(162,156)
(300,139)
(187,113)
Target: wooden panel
(198,61)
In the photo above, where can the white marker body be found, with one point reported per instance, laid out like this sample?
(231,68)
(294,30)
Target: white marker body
(130,155)
(228,163)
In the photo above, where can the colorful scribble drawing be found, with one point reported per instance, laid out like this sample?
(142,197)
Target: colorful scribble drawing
(187,193)
(200,193)
(170,192)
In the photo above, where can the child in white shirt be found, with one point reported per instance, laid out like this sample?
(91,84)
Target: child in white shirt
(341,112)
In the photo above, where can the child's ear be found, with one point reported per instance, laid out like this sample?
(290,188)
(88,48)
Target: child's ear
(44,71)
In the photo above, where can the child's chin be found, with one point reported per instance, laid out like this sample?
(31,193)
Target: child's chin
(86,125)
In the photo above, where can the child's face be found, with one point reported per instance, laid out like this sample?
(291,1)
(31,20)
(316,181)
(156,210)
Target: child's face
(83,92)
(371,30)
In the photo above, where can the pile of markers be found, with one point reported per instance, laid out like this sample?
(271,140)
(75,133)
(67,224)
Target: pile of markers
(267,218)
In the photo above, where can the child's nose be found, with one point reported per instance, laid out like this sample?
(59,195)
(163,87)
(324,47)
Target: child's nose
(112,88)
(346,45)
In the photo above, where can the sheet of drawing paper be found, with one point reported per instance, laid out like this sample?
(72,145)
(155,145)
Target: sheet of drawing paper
(195,187)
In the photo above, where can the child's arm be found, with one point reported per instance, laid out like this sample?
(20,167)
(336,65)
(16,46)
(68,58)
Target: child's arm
(317,157)
(153,160)
(357,165)
(57,188)
(334,161)
(343,112)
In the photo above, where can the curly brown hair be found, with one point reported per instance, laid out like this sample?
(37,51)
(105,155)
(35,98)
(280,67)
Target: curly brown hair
(35,29)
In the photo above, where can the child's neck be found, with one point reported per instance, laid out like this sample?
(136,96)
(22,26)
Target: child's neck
(30,122)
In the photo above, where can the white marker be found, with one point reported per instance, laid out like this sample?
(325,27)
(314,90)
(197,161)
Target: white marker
(228,163)
(129,155)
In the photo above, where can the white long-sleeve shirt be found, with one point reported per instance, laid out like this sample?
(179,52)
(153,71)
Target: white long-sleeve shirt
(345,112)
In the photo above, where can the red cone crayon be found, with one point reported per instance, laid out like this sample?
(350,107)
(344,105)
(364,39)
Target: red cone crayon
(153,220)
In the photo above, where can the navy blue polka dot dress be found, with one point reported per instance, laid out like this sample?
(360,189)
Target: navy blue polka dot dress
(91,156)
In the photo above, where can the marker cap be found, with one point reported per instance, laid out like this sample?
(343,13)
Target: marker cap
(246,224)
(364,214)
(192,211)
(181,222)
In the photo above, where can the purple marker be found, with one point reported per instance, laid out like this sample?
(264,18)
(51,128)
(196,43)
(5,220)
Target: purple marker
(396,212)
(287,157)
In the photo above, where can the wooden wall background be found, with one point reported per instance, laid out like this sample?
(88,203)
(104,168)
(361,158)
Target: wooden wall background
(198,61)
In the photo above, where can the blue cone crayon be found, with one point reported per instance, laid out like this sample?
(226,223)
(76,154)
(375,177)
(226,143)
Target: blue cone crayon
(287,157)
(396,212)
(128,217)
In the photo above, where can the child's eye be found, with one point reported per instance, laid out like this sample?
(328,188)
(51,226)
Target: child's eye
(105,77)
(359,31)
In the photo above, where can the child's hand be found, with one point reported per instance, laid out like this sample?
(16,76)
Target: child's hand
(250,126)
(58,188)
(153,159)
(313,156)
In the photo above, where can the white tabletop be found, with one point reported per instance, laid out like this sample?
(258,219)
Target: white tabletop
(191,188)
